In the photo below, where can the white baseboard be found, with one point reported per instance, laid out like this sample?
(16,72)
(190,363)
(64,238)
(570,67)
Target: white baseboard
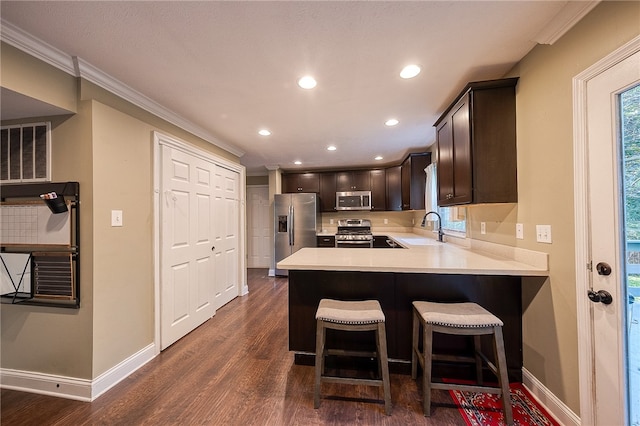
(272,272)
(547,399)
(73,388)
(116,374)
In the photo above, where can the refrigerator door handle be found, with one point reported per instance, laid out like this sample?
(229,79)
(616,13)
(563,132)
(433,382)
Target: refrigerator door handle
(291,225)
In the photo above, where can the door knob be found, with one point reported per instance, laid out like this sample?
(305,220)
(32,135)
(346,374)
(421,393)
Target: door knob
(603,268)
(602,296)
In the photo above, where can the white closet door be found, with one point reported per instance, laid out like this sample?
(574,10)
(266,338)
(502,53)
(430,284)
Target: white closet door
(258,220)
(227,231)
(188,221)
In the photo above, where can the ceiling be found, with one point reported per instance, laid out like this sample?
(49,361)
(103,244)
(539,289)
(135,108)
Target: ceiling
(230,68)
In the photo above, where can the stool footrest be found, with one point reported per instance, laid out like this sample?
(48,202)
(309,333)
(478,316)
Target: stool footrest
(466,388)
(352,381)
(342,352)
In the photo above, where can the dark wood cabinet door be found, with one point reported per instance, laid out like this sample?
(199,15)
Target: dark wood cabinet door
(362,180)
(413,180)
(309,182)
(461,136)
(328,192)
(405,180)
(394,188)
(343,181)
(445,162)
(353,181)
(378,190)
(289,183)
(301,182)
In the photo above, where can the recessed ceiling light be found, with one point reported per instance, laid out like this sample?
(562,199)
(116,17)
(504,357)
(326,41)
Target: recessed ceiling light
(264,132)
(297,163)
(307,82)
(378,158)
(391,122)
(331,148)
(410,71)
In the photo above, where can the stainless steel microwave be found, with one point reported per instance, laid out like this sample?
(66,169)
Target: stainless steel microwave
(353,200)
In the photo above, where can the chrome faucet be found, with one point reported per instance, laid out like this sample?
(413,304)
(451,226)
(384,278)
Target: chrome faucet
(424,223)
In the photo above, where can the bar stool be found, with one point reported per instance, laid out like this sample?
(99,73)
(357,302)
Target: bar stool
(467,319)
(351,316)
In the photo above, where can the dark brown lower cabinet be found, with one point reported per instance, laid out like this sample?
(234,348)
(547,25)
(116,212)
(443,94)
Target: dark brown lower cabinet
(501,295)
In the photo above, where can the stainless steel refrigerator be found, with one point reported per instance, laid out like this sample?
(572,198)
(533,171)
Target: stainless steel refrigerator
(297,220)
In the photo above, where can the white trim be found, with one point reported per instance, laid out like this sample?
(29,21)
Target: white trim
(73,388)
(121,371)
(35,47)
(581,209)
(554,406)
(569,15)
(78,67)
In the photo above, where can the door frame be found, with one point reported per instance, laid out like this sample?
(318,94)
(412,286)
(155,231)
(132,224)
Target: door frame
(269,220)
(582,224)
(160,139)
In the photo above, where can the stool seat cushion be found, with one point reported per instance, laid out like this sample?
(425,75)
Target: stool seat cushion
(350,312)
(460,315)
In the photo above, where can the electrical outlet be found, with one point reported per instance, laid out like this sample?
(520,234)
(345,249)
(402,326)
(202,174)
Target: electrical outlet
(330,221)
(386,221)
(116,217)
(519,231)
(543,234)
(483,228)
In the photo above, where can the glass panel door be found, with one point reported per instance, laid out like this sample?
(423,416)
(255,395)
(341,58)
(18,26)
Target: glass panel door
(630,132)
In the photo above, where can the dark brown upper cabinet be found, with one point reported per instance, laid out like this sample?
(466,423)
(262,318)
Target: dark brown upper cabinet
(413,180)
(394,188)
(357,180)
(476,145)
(378,190)
(301,182)
(328,192)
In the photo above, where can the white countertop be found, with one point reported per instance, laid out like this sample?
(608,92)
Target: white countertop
(422,255)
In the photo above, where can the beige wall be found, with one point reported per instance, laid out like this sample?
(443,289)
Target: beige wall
(31,77)
(107,147)
(123,285)
(55,340)
(545,189)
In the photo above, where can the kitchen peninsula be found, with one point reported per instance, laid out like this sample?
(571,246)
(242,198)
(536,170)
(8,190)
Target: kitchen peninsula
(487,274)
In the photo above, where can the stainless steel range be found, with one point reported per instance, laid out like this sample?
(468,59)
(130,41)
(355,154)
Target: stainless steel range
(354,233)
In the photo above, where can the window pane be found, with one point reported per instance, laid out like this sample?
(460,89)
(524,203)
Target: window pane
(27,153)
(14,154)
(4,154)
(41,152)
(454,218)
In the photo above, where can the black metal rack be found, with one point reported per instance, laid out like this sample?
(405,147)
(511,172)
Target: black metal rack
(55,268)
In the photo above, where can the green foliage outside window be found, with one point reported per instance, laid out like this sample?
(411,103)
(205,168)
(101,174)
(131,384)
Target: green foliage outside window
(630,115)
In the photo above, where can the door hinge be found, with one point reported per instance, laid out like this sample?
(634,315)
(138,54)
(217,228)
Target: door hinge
(590,265)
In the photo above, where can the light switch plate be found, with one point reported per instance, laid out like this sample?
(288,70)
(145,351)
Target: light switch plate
(116,217)
(483,228)
(543,234)
(519,231)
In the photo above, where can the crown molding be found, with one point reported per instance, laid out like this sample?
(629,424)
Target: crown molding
(569,15)
(78,67)
(90,73)
(35,47)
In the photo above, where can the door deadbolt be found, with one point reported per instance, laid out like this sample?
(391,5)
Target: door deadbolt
(603,268)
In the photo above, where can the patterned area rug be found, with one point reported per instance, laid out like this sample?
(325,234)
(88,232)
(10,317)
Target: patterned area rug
(484,409)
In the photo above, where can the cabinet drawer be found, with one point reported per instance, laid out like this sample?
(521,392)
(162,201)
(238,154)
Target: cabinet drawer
(326,241)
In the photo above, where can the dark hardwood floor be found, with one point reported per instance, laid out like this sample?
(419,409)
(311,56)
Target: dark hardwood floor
(235,369)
